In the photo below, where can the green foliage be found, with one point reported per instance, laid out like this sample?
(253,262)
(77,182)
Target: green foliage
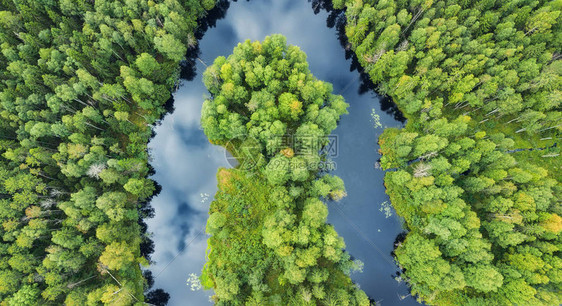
(270,243)
(477,171)
(82,83)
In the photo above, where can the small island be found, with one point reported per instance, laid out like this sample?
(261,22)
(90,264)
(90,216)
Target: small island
(270,243)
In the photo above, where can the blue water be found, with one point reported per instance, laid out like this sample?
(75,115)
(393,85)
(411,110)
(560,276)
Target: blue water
(186,163)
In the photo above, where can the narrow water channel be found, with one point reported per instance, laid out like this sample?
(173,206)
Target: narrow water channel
(186,163)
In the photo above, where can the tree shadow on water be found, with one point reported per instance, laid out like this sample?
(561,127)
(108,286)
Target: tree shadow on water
(336,20)
(188,71)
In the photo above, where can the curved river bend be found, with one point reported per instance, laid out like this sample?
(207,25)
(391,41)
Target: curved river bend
(186,163)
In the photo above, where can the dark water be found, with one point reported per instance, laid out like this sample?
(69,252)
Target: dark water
(186,163)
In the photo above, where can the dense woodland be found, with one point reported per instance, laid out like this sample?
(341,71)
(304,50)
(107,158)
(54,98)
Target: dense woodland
(476,172)
(81,83)
(270,243)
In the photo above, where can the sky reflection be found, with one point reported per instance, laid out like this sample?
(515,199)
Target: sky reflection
(186,163)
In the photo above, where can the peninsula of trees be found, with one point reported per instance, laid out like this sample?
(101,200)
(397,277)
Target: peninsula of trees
(270,243)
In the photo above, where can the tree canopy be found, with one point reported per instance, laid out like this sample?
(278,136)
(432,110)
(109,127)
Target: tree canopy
(477,167)
(270,243)
(81,83)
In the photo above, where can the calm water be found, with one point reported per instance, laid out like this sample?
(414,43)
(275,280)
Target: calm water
(186,163)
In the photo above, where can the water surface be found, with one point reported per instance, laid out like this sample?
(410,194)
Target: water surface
(186,163)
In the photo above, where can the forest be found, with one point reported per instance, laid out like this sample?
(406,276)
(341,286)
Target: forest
(81,84)
(475,174)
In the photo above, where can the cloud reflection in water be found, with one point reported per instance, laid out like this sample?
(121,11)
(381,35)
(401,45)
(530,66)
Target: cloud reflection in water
(186,163)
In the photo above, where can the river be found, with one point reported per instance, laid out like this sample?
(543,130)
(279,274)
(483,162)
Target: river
(186,163)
